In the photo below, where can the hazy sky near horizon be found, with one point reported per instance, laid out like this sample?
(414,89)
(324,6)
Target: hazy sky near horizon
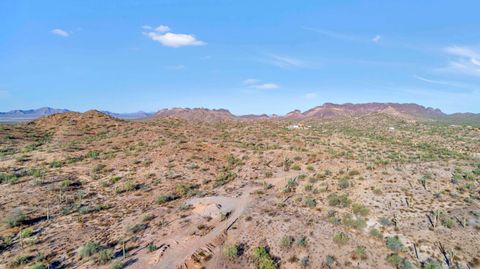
(247,56)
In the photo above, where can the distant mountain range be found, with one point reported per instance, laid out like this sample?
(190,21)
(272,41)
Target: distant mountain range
(325,111)
(32,114)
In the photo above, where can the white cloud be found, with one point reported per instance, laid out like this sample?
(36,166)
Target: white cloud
(163,35)
(266,86)
(147,27)
(310,95)
(60,32)
(250,81)
(162,29)
(376,39)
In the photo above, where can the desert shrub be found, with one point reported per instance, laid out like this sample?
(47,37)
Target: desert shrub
(296,167)
(359,209)
(230,251)
(93,154)
(138,228)
(304,261)
(338,200)
(88,250)
(356,223)
(291,185)
(286,241)
(399,262)
(340,238)
(343,183)
(19,260)
(394,243)
(263,259)
(310,202)
(148,217)
(8,178)
(104,256)
(151,248)
(90,209)
(38,265)
(301,241)
(25,233)
(376,233)
(308,187)
(186,189)
(361,252)
(329,260)
(128,186)
(56,164)
(165,198)
(65,184)
(431,264)
(384,221)
(310,168)
(224,178)
(117,265)
(18,217)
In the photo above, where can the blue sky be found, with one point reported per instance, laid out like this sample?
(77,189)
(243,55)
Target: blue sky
(246,56)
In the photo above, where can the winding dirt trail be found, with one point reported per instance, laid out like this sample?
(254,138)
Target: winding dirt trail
(179,250)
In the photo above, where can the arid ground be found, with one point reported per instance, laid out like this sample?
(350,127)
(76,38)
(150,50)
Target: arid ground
(85,190)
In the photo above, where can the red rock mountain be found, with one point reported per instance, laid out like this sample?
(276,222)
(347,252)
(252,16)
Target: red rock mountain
(329,110)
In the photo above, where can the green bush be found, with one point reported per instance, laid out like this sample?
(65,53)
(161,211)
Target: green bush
(359,209)
(343,183)
(340,238)
(17,218)
(399,262)
(165,198)
(8,178)
(224,178)
(310,202)
(338,200)
(117,265)
(104,256)
(19,260)
(230,251)
(286,241)
(431,264)
(38,265)
(89,249)
(394,243)
(263,259)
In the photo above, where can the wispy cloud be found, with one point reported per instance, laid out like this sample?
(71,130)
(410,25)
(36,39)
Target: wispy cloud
(310,95)
(60,32)
(284,61)
(344,36)
(377,39)
(266,86)
(163,35)
(250,81)
(333,34)
(176,67)
(258,84)
(452,84)
(467,60)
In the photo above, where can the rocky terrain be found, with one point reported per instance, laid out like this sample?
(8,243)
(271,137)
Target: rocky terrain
(337,186)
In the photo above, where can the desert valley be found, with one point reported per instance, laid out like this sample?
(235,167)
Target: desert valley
(379,185)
